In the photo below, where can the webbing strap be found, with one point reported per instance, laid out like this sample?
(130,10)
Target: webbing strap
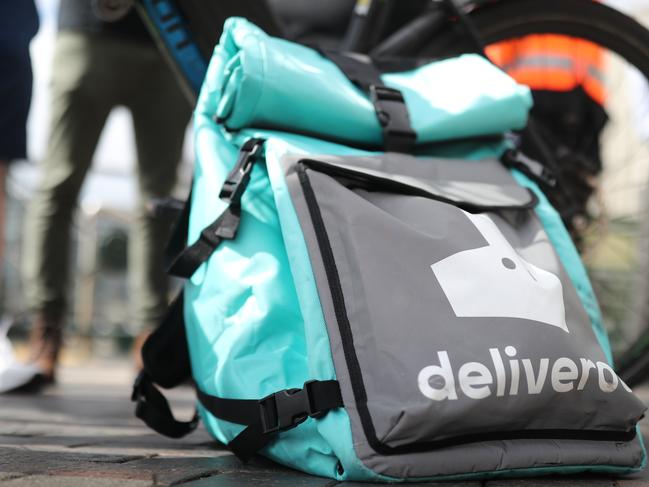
(468,26)
(165,358)
(178,238)
(263,419)
(153,408)
(277,412)
(358,68)
(223,228)
(393,116)
(185,260)
(389,104)
(165,355)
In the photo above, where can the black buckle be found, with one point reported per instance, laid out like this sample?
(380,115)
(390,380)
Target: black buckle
(541,173)
(393,116)
(286,409)
(385,93)
(381,96)
(236,182)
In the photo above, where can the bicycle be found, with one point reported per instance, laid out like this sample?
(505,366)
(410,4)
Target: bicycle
(187,30)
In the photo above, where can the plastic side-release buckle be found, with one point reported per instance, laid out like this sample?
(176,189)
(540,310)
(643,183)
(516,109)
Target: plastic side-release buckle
(392,113)
(239,177)
(287,409)
(517,160)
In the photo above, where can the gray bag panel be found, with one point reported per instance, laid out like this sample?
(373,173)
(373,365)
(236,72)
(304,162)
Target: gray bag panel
(503,455)
(489,187)
(403,265)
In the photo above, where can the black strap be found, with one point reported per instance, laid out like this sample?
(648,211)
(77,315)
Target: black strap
(165,355)
(469,27)
(190,259)
(358,68)
(152,408)
(389,104)
(225,227)
(277,412)
(538,172)
(178,238)
(393,116)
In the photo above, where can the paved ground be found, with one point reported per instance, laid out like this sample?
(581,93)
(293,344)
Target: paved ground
(83,433)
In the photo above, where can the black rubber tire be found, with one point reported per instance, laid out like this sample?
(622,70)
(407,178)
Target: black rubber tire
(586,19)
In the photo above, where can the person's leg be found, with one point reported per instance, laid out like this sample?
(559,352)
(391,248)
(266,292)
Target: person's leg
(160,116)
(80,104)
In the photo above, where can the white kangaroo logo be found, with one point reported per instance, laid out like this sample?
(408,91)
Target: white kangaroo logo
(495,281)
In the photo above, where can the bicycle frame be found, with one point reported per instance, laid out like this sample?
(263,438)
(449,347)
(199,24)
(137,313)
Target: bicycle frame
(170,32)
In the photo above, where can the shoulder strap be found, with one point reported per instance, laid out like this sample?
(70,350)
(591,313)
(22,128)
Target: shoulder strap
(165,355)
(183,260)
(179,233)
(389,104)
(153,408)
(166,362)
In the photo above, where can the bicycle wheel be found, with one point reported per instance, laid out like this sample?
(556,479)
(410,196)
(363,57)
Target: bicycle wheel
(615,241)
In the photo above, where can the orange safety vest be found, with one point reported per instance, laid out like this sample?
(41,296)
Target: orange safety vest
(553,62)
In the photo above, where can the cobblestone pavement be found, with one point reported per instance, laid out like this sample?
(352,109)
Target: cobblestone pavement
(83,433)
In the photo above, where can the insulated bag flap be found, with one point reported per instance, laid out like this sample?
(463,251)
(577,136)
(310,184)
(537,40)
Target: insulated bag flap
(449,325)
(259,81)
(470,185)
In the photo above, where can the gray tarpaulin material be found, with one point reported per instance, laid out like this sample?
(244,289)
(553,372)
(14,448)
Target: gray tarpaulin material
(452,321)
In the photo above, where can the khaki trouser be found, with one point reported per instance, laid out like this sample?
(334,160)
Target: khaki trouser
(91,75)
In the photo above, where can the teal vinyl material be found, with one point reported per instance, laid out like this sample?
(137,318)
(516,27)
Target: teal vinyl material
(269,82)
(253,316)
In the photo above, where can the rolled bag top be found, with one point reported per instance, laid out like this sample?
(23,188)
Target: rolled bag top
(258,81)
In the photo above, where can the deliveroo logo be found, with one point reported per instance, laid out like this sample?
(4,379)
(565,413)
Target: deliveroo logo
(495,281)
(507,375)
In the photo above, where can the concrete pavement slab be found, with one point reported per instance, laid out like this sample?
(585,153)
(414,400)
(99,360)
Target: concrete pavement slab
(83,432)
(49,481)
(553,482)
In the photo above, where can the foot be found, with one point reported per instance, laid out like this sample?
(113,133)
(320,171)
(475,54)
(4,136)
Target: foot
(35,385)
(45,344)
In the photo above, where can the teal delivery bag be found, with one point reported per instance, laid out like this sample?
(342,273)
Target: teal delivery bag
(376,289)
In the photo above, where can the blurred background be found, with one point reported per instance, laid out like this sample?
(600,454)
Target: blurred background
(99,315)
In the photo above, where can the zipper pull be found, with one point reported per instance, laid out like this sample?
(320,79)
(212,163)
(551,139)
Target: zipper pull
(513,158)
